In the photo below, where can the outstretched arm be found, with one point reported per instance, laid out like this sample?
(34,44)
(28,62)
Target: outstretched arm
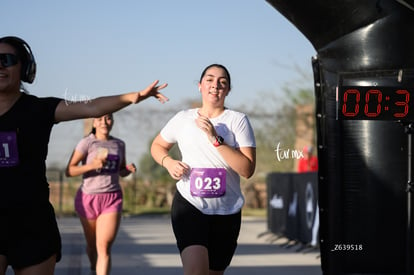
(108,104)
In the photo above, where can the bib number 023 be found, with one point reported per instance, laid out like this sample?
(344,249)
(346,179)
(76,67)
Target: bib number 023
(208,182)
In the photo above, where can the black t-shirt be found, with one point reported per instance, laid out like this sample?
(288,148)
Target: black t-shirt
(24,137)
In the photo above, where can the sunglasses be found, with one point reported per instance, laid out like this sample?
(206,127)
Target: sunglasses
(8,59)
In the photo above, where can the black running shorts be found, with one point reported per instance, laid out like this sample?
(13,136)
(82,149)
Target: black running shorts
(29,236)
(218,233)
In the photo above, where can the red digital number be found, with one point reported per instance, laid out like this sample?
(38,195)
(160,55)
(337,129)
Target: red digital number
(357,96)
(403,103)
(367,99)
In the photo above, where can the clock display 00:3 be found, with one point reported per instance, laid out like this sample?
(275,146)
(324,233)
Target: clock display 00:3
(374,103)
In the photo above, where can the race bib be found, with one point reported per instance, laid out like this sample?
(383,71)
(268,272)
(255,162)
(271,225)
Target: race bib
(111,164)
(9,155)
(208,182)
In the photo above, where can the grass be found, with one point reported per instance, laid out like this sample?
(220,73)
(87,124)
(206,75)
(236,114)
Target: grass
(255,212)
(143,210)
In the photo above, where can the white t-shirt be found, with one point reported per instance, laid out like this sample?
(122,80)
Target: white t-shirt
(198,152)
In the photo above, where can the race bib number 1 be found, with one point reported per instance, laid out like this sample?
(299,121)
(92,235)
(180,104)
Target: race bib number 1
(208,182)
(9,155)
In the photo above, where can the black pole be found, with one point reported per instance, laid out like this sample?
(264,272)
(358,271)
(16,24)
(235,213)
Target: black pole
(409,129)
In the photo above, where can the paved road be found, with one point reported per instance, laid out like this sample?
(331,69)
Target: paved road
(146,245)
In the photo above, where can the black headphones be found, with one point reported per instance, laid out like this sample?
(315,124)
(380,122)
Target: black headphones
(28,73)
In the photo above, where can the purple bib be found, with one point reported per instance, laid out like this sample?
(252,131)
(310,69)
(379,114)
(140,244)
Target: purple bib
(9,155)
(111,164)
(208,182)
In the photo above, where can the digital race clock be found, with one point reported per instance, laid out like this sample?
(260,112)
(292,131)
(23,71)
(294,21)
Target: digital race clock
(385,95)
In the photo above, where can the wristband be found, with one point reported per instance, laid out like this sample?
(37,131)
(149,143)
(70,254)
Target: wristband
(218,141)
(162,160)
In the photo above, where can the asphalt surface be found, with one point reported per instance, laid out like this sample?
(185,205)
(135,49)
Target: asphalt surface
(146,245)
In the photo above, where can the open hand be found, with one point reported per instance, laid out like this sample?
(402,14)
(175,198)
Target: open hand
(152,90)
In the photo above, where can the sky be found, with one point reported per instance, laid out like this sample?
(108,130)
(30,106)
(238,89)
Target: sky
(86,49)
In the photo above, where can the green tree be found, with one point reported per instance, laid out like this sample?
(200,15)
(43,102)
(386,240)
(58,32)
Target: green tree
(152,171)
(274,122)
